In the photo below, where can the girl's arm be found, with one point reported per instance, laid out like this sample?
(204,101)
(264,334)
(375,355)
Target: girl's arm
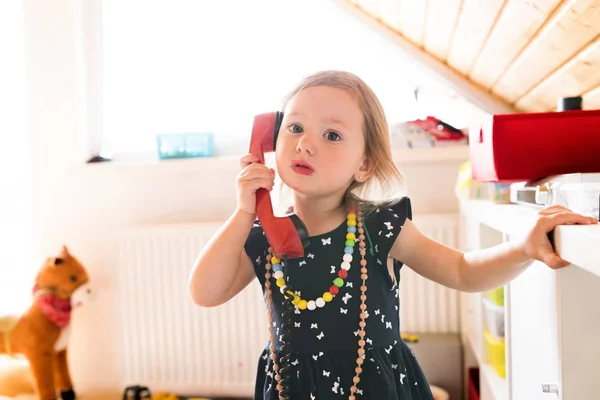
(223,269)
(484,269)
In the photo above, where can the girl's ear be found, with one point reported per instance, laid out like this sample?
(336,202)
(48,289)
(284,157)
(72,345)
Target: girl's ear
(365,171)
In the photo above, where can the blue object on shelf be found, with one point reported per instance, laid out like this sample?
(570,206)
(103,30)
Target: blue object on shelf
(185,145)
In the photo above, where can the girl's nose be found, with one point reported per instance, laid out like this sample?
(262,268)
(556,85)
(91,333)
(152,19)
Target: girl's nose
(306,144)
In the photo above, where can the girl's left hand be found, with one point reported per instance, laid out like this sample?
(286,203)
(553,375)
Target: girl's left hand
(537,245)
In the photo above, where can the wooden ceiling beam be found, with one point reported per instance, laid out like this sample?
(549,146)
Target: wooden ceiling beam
(439,70)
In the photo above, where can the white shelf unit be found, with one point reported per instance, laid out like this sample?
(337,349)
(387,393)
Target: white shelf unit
(552,321)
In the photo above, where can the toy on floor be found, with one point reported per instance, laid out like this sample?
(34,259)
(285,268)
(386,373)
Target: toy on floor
(409,338)
(42,332)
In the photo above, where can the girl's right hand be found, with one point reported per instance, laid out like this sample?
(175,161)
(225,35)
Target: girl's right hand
(253,176)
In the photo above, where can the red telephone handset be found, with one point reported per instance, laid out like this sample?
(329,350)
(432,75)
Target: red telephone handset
(288,235)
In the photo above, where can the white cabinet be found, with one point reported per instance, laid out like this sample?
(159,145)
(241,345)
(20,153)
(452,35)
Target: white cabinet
(532,350)
(552,317)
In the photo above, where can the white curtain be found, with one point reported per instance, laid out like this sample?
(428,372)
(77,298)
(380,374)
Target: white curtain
(18,243)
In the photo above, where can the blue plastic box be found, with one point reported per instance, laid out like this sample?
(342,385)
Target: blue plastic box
(185,145)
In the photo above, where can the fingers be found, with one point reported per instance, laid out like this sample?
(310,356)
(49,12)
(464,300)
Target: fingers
(248,159)
(550,221)
(553,260)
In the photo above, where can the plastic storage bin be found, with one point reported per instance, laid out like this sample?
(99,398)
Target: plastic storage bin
(495,353)
(496,295)
(494,317)
(184,145)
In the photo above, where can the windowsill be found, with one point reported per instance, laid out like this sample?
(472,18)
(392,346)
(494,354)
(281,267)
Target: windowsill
(403,156)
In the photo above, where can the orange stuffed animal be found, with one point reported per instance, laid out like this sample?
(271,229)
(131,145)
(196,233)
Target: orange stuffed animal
(41,334)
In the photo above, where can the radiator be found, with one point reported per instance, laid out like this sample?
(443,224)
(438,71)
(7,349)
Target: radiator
(169,344)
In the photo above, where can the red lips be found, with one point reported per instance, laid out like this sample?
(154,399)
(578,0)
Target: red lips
(302,167)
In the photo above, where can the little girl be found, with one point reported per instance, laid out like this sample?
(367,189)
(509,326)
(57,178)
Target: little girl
(334,330)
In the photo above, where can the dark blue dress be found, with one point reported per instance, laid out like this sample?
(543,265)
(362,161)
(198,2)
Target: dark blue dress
(325,341)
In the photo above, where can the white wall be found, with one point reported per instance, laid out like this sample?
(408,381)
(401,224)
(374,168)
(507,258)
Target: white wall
(82,205)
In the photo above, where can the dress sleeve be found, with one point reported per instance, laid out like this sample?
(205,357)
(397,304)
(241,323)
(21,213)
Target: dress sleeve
(386,223)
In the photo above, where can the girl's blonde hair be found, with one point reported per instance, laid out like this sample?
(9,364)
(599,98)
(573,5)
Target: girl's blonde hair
(386,184)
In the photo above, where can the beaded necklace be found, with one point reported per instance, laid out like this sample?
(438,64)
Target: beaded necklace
(291,300)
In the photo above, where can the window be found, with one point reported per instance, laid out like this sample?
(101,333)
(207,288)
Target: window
(16,239)
(210,66)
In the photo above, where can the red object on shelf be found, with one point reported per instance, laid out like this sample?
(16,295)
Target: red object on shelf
(523,147)
(440,130)
(473,383)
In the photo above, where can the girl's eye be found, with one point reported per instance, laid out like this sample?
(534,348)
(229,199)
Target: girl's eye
(295,128)
(333,136)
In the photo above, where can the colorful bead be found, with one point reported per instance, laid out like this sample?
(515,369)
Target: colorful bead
(280,282)
(302,304)
(342,273)
(339,282)
(320,302)
(333,290)
(327,296)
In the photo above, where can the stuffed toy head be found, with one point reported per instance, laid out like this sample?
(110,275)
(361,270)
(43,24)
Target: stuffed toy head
(63,280)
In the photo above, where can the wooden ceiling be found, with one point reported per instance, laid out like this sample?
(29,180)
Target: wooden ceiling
(524,54)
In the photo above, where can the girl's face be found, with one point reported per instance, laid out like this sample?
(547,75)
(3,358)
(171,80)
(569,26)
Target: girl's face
(321,145)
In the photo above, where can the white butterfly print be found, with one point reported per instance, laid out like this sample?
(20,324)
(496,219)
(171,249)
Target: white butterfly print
(388,325)
(389,350)
(349,284)
(320,336)
(402,376)
(355,334)
(334,389)
(312,397)
(376,248)
(314,326)
(343,311)
(346,297)
(394,366)
(258,260)
(297,324)
(389,235)
(333,269)
(388,225)
(326,373)
(295,362)
(326,241)
(369,341)
(382,318)
(311,255)
(301,263)
(377,312)
(358,391)
(379,262)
